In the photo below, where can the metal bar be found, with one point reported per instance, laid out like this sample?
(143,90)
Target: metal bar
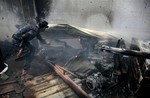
(126,52)
(77,89)
(68,71)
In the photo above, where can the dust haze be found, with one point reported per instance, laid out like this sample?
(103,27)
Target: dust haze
(127,19)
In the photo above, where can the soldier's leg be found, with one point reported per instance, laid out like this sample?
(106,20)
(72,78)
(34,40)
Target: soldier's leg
(29,57)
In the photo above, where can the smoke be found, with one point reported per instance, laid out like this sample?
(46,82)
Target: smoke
(131,18)
(84,13)
(8,20)
(126,19)
(14,14)
(43,7)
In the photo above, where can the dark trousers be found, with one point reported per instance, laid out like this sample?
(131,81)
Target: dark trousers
(29,51)
(29,57)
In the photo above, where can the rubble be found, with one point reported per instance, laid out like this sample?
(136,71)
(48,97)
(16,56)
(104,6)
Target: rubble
(103,69)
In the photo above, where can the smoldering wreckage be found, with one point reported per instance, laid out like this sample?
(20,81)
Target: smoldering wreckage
(83,64)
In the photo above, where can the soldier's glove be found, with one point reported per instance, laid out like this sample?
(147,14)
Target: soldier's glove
(24,40)
(22,44)
(43,41)
(24,37)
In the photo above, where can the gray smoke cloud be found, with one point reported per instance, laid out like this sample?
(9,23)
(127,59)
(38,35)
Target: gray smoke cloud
(126,19)
(121,18)
(8,20)
(93,14)
(131,18)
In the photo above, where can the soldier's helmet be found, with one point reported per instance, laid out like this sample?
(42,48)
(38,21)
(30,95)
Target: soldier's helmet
(43,24)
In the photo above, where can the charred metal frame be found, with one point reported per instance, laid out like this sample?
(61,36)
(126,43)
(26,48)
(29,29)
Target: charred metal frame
(78,90)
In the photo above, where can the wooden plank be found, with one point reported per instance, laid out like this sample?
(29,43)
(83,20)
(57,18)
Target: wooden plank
(50,90)
(8,88)
(46,85)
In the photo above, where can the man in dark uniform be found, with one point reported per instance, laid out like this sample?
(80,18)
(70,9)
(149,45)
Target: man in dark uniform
(22,38)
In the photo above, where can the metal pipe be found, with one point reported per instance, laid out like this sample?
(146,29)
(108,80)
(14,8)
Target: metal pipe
(78,90)
(68,71)
(126,52)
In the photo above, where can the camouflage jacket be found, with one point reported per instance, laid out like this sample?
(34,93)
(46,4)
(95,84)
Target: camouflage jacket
(30,32)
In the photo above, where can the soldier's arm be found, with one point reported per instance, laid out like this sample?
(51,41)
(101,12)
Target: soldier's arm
(25,29)
(39,37)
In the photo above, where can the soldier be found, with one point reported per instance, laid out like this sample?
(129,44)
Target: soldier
(22,38)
